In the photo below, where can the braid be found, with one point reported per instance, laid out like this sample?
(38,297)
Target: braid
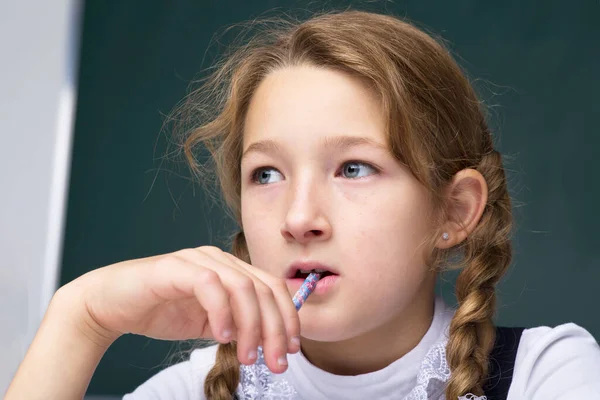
(224,377)
(487,254)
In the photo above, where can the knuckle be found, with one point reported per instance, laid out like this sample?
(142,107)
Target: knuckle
(264,291)
(211,250)
(293,331)
(166,262)
(280,285)
(293,320)
(278,336)
(224,312)
(186,254)
(244,284)
(208,277)
(253,331)
(281,334)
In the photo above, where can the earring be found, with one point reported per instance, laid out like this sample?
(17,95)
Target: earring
(445,236)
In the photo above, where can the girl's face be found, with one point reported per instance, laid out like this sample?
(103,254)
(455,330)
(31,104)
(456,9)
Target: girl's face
(319,184)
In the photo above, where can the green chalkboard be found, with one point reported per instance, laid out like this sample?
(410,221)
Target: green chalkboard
(536,64)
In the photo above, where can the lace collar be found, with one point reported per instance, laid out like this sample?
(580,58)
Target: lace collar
(258,382)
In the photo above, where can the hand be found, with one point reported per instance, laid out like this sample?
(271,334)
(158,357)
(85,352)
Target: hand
(193,293)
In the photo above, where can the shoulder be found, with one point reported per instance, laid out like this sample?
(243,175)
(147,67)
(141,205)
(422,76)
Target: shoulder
(559,363)
(182,381)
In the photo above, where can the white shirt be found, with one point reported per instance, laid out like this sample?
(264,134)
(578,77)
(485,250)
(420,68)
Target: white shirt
(551,363)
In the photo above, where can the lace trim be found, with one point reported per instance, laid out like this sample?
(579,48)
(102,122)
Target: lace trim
(258,382)
(433,375)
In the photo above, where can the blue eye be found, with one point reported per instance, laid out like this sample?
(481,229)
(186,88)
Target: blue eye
(265,175)
(355,169)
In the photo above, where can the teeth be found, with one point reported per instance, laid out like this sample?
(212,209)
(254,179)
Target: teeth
(308,271)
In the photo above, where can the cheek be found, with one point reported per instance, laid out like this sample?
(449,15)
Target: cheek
(391,233)
(259,227)
(400,217)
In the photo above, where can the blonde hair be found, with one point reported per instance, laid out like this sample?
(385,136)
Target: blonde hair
(436,127)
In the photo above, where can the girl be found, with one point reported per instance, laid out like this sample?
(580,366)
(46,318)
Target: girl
(351,144)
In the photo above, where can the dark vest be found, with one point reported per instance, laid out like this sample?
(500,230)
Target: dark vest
(502,363)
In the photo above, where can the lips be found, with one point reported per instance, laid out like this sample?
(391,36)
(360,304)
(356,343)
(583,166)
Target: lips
(301,269)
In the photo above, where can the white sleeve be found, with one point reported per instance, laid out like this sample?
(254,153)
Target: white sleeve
(561,363)
(183,381)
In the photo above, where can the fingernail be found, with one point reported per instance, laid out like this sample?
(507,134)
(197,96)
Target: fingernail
(296,340)
(252,355)
(282,360)
(226,334)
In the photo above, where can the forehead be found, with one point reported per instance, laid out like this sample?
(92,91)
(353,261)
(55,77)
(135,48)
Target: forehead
(305,102)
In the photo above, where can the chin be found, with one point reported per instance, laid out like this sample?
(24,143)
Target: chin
(323,335)
(322,328)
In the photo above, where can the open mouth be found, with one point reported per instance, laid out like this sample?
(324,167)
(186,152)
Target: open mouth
(303,274)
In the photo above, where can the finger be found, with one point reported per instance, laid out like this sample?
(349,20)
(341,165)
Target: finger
(274,335)
(284,301)
(209,291)
(243,300)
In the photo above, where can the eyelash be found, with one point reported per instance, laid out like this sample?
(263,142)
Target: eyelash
(254,175)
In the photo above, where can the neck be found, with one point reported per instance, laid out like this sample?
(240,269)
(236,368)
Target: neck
(376,349)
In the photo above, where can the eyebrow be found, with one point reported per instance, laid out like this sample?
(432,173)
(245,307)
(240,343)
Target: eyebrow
(339,143)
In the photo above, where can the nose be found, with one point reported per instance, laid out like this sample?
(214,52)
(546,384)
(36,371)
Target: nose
(305,220)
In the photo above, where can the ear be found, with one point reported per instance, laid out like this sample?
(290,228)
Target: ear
(467,194)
